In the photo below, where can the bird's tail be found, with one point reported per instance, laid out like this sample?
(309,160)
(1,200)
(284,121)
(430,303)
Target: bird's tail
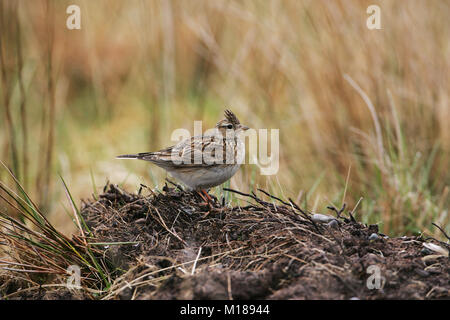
(140,156)
(129,156)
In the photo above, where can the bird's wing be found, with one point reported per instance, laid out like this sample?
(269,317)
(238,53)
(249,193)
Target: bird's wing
(198,151)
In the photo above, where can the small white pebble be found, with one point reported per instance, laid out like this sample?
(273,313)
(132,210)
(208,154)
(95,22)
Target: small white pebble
(323,218)
(333,224)
(373,236)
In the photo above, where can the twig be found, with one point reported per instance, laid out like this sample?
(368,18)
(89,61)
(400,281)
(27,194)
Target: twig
(305,215)
(167,229)
(273,197)
(351,213)
(338,213)
(175,184)
(242,193)
(442,230)
(196,259)
(230,296)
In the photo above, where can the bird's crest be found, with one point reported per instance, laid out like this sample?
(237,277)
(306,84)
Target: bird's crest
(230,116)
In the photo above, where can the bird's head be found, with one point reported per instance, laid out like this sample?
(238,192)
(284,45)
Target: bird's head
(230,124)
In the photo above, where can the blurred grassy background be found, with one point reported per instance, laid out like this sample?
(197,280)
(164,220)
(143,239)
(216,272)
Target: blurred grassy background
(74,99)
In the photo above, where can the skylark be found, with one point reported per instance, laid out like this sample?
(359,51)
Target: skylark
(204,161)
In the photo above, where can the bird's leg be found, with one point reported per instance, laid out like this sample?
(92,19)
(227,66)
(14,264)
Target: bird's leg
(207,198)
(200,193)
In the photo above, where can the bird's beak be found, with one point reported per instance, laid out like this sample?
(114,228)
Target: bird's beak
(245,128)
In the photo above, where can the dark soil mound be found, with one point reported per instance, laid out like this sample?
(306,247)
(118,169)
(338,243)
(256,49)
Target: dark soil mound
(178,247)
(173,245)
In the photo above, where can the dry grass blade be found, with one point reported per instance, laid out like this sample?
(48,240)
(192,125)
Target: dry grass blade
(74,210)
(43,249)
(373,113)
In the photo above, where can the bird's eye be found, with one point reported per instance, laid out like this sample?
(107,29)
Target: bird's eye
(230,126)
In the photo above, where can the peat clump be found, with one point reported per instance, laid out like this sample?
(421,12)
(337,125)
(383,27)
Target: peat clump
(180,247)
(173,245)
